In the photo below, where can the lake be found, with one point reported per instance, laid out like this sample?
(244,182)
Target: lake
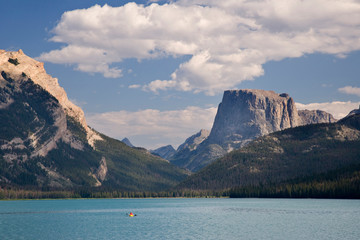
(180,219)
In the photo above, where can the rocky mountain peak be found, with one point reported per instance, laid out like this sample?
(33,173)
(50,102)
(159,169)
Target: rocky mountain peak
(195,140)
(17,66)
(127,142)
(245,114)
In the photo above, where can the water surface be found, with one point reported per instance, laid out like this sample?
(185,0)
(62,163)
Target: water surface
(180,219)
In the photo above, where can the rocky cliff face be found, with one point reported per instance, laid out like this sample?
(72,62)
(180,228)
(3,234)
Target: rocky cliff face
(38,131)
(242,116)
(315,116)
(245,114)
(18,66)
(45,142)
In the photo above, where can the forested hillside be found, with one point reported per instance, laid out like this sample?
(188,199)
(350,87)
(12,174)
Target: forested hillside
(319,157)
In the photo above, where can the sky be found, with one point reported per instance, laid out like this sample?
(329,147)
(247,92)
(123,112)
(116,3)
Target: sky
(155,71)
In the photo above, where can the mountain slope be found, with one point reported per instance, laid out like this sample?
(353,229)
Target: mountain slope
(295,153)
(44,142)
(185,155)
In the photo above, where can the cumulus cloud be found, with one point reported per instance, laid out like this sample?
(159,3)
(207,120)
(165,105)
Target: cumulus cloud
(337,109)
(152,128)
(228,40)
(156,85)
(350,90)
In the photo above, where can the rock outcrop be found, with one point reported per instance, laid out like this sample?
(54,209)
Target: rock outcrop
(100,173)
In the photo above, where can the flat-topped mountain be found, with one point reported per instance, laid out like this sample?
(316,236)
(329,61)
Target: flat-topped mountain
(245,114)
(242,116)
(45,142)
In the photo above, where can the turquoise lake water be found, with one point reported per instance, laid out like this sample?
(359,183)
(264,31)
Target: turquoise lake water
(180,219)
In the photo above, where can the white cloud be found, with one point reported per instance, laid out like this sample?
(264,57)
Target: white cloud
(337,109)
(135,86)
(152,128)
(160,85)
(350,90)
(100,68)
(228,40)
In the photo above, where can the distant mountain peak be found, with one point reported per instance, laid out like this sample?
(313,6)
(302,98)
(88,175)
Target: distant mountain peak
(127,142)
(195,140)
(354,112)
(165,152)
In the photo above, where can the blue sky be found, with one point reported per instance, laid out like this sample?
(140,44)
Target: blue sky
(155,71)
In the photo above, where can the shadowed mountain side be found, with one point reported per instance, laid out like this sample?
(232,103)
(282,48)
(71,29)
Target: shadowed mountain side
(137,169)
